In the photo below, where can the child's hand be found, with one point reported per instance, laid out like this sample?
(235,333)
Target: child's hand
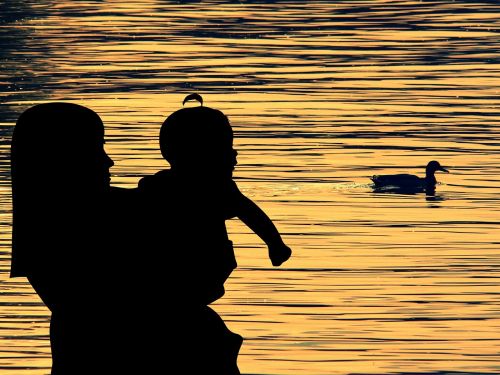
(279,254)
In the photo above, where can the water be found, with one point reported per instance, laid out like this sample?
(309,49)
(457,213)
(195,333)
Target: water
(321,95)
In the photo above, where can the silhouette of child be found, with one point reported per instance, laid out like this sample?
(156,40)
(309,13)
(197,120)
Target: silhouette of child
(190,256)
(195,197)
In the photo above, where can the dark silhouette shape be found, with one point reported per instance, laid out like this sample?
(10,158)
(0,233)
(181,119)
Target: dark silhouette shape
(60,179)
(198,144)
(408,183)
(184,213)
(57,152)
(101,257)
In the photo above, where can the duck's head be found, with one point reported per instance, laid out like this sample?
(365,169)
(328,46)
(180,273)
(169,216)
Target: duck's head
(434,166)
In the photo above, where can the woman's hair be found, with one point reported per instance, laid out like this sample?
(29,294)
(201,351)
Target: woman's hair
(54,147)
(49,137)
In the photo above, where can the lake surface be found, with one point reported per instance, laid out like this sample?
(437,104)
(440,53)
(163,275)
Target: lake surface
(321,96)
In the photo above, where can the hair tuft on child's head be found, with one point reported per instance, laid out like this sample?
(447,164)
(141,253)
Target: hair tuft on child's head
(193,97)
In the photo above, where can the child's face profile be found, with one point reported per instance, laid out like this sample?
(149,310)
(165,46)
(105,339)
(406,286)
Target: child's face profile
(232,161)
(216,162)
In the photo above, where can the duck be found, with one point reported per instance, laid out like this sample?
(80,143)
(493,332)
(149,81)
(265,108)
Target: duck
(410,181)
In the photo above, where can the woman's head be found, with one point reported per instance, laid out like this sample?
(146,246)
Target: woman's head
(59,146)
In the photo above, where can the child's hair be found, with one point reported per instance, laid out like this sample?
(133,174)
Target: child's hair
(193,132)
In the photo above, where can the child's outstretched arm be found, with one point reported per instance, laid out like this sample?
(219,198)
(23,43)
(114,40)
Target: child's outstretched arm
(261,224)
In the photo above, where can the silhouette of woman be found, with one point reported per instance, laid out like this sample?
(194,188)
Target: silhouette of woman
(60,178)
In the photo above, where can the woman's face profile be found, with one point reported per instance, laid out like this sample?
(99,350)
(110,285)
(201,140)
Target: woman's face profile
(89,165)
(107,163)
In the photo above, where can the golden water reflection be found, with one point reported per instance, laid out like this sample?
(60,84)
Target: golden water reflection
(321,95)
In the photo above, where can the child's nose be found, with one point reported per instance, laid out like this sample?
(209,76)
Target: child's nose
(235,154)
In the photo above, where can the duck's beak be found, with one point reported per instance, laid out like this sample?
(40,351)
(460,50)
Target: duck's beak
(443,170)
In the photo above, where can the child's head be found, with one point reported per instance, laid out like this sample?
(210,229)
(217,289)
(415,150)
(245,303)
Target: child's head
(200,139)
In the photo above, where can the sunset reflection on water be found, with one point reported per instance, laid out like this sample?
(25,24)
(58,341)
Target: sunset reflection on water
(321,95)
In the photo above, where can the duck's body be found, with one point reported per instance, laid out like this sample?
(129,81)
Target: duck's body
(409,181)
(402,180)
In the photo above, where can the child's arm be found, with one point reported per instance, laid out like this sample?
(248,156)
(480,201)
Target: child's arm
(261,224)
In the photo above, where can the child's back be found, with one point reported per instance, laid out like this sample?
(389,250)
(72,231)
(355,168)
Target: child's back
(188,232)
